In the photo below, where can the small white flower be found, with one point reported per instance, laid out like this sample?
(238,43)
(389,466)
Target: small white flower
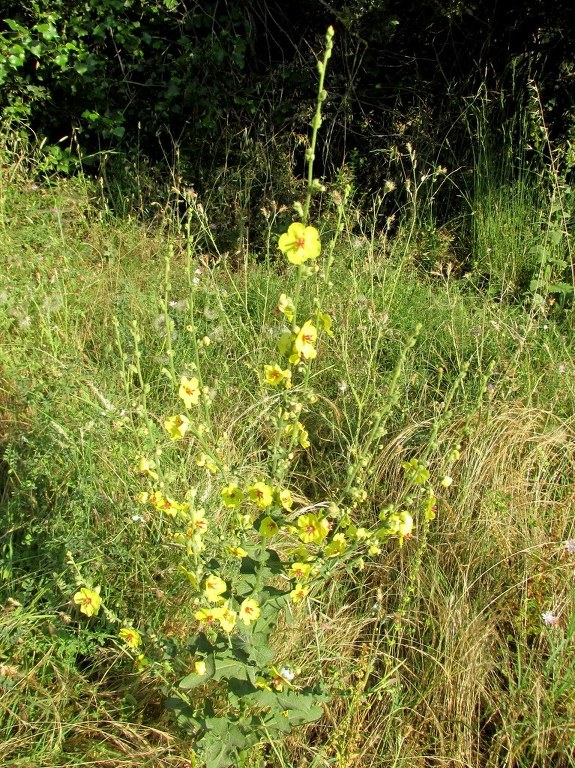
(342,385)
(550,619)
(570,546)
(287,674)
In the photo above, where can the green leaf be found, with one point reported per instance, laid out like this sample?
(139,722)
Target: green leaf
(191,577)
(240,689)
(565,288)
(184,714)
(287,709)
(259,651)
(48,31)
(15,27)
(245,586)
(227,668)
(223,741)
(216,753)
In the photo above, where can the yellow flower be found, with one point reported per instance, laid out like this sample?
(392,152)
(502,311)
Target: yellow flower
(274,375)
(200,668)
(228,618)
(299,571)
(285,498)
(312,528)
(303,436)
(232,496)
(146,467)
(166,504)
(300,243)
(198,522)
(89,601)
(155,498)
(237,551)
(325,322)
(286,307)
(299,593)
(261,494)
(177,426)
(302,433)
(189,391)
(208,615)
(303,346)
(400,523)
(203,460)
(214,588)
(405,526)
(249,610)
(336,546)
(268,528)
(131,637)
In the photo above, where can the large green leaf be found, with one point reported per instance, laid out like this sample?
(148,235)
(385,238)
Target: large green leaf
(233,668)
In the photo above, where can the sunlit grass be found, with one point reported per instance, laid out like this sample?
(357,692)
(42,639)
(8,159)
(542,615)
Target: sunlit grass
(436,653)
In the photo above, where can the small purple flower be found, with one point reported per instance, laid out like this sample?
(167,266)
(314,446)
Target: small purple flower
(570,546)
(550,619)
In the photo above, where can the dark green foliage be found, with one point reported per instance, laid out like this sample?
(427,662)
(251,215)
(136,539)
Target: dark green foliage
(160,74)
(105,68)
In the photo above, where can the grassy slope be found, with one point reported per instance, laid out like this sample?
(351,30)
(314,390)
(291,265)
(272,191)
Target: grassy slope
(469,677)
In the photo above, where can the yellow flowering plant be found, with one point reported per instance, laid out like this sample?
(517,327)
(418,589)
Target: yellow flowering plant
(255,548)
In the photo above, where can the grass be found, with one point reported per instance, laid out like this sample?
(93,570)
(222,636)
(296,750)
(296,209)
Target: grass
(435,653)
